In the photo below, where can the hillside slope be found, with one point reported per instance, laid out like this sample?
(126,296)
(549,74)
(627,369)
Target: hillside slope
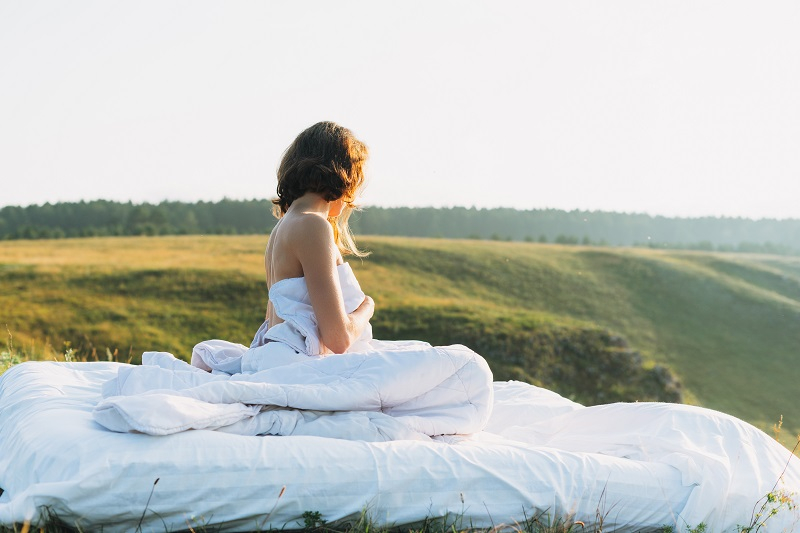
(727,325)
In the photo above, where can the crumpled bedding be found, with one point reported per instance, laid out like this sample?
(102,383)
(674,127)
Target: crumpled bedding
(396,390)
(292,304)
(638,466)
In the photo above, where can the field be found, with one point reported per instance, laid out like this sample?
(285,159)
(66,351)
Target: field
(595,324)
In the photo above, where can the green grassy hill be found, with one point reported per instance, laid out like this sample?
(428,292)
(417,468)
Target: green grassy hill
(595,324)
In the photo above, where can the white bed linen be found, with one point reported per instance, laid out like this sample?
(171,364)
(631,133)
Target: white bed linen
(397,390)
(292,304)
(540,453)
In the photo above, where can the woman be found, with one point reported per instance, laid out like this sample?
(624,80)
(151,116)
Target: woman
(318,180)
(315,306)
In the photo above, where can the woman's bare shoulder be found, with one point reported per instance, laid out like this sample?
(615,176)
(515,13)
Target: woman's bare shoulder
(307,225)
(307,231)
(303,242)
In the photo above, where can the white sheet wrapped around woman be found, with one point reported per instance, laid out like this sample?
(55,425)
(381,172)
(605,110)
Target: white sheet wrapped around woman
(641,466)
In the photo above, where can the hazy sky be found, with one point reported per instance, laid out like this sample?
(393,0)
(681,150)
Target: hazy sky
(684,108)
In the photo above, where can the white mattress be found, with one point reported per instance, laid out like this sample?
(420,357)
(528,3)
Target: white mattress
(528,462)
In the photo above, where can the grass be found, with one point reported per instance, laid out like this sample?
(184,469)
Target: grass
(725,325)
(313,522)
(9,357)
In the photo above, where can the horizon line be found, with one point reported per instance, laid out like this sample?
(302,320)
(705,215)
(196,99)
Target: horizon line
(443,207)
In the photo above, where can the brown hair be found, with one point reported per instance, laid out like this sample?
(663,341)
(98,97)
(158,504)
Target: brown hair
(326,159)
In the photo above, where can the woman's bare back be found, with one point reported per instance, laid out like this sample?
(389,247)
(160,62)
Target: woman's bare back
(281,260)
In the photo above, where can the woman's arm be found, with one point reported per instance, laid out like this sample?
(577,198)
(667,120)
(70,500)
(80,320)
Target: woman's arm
(314,247)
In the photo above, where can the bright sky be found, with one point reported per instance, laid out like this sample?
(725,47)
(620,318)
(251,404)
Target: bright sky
(678,108)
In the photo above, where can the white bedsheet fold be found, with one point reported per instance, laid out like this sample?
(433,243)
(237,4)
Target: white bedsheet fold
(394,391)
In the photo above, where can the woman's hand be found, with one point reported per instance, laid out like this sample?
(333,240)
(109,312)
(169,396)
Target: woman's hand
(366,306)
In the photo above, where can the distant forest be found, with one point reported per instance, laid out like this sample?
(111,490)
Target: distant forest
(598,228)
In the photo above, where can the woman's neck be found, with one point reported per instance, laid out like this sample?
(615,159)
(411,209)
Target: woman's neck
(310,202)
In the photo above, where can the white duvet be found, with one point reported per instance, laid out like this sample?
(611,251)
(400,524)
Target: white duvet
(638,466)
(394,390)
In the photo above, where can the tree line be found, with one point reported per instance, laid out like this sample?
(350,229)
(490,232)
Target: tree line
(598,228)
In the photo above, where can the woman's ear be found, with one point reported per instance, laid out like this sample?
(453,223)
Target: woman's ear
(335,207)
